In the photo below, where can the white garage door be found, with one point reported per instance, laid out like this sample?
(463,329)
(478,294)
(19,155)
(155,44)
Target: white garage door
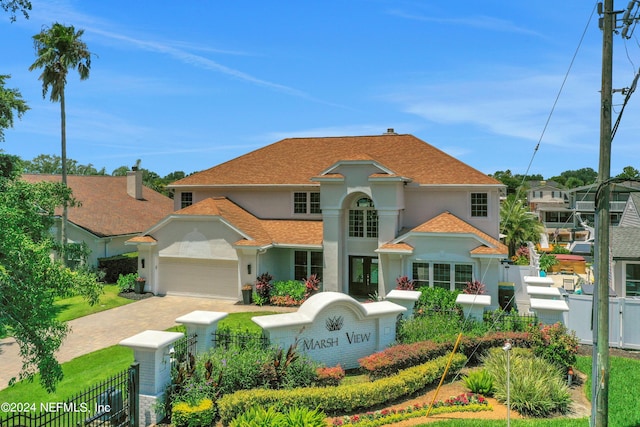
(209,278)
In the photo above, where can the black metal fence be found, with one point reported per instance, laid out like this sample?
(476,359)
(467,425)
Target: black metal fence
(227,338)
(113,402)
(182,348)
(509,321)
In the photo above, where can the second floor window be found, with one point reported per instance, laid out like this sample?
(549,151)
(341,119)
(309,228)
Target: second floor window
(479,205)
(363,219)
(186,199)
(306,202)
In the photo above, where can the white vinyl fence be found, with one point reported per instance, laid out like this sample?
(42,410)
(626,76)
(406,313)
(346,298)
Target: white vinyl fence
(624,318)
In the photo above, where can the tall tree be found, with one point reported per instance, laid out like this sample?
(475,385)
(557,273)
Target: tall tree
(13,6)
(11,103)
(518,224)
(58,49)
(29,280)
(52,164)
(629,172)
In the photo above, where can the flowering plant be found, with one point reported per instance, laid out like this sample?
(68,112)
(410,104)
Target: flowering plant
(263,285)
(140,279)
(403,283)
(247,287)
(475,288)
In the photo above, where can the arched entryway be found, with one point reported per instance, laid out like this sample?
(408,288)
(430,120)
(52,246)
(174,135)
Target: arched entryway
(362,241)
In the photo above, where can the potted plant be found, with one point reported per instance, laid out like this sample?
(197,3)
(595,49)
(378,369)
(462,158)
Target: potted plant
(546,262)
(247,292)
(139,285)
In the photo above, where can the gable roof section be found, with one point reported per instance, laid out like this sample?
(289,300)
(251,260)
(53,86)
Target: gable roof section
(260,232)
(631,214)
(624,242)
(106,207)
(447,223)
(295,161)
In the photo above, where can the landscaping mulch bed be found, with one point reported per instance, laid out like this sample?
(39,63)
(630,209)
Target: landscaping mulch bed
(136,297)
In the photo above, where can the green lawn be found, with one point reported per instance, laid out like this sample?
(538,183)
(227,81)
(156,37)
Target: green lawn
(85,371)
(75,307)
(79,374)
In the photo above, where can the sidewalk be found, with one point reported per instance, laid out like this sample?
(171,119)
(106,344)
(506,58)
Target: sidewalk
(107,328)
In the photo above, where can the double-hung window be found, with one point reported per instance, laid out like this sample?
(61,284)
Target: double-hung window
(307,263)
(186,199)
(479,205)
(442,275)
(306,202)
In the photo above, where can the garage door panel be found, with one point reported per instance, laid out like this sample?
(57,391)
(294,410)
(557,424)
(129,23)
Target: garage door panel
(211,278)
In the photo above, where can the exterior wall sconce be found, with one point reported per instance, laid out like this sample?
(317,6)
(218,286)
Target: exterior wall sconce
(142,262)
(248,268)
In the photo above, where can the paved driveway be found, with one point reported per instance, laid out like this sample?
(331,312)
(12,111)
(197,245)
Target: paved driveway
(101,330)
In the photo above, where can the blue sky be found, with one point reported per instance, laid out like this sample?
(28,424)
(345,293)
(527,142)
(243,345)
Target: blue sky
(188,85)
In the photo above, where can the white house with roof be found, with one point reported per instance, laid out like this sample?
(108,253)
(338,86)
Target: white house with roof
(110,211)
(357,211)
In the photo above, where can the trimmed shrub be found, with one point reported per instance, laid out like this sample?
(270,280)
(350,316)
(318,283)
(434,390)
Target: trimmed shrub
(114,266)
(341,399)
(392,359)
(329,376)
(187,415)
(437,299)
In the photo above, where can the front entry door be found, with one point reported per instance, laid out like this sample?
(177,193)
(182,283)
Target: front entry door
(363,276)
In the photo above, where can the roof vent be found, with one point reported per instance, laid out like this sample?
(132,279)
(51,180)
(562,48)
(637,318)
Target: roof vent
(390,131)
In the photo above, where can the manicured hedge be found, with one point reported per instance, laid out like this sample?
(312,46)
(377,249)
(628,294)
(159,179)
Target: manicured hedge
(341,399)
(391,360)
(116,265)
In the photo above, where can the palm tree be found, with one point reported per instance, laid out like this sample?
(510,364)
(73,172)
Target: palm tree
(518,224)
(59,49)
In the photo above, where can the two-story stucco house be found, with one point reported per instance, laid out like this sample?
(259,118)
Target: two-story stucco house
(357,211)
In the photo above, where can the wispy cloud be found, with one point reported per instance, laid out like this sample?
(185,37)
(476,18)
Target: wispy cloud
(515,108)
(178,50)
(479,22)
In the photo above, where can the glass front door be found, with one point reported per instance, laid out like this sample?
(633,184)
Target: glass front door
(363,276)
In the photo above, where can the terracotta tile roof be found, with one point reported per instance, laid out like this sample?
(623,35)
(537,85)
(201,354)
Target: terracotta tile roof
(449,223)
(107,209)
(298,160)
(259,232)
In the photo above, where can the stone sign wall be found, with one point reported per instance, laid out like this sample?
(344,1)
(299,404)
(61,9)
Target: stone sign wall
(333,328)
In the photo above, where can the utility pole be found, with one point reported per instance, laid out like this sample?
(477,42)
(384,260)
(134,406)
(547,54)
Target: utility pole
(600,374)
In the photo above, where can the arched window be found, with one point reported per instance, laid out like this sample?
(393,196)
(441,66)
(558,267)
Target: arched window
(363,219)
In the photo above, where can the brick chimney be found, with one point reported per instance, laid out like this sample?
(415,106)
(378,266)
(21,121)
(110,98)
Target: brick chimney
(134,184)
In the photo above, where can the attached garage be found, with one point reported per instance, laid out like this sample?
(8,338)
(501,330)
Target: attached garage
(202,277)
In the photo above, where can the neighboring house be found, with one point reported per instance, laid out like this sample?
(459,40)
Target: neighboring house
(551,204)
(112,210)
(625,250)
(357,211)
(583,201)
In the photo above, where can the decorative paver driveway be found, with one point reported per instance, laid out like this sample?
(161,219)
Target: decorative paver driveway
(107,328)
